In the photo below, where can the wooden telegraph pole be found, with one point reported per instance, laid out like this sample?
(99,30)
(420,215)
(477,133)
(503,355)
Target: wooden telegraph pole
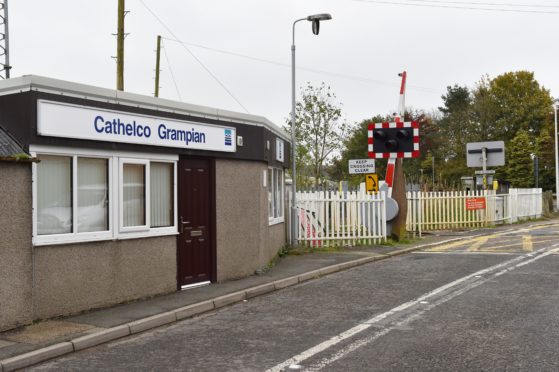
(399,183)
(120,47)
(157,57)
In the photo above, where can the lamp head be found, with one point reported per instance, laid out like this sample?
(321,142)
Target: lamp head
(319,17)
(315,19)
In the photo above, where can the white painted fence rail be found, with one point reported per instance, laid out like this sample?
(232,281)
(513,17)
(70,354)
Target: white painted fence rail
(459,209)
(327,218)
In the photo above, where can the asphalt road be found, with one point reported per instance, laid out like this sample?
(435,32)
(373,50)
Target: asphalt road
(491,303)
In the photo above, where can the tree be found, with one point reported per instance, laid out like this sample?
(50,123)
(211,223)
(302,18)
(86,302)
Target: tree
(515,101)
(546,153)
(319,132)
(456,125)
(497,109)
(429,142)
(355,147)
(484,112)
(519,170)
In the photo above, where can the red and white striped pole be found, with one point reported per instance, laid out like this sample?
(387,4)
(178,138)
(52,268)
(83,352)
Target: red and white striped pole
(391,166)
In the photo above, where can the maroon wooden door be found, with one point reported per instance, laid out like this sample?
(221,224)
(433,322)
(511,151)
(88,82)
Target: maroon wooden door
(195,249)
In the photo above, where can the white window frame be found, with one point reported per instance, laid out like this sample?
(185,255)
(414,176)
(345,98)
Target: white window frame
(145,226)
(272,186)
(116,230)
(175,196)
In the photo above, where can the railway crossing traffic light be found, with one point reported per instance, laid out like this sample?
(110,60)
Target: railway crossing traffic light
(394,140)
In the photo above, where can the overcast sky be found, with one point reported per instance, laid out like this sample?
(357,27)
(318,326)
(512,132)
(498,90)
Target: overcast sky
(358,53)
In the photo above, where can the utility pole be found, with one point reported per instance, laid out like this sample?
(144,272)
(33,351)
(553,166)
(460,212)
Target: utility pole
(5,48)
(536,171)
(433,169)
(120,47)
(157,57)
(399,180)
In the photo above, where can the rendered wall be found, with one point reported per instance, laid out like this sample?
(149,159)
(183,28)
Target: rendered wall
(245,241)
(75,277)
(15,245)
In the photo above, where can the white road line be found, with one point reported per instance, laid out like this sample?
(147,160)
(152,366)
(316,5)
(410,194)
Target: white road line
(468,253)
(397,312)
(408,319)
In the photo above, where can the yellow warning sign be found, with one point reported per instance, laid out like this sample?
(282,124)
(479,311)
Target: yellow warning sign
(371,182)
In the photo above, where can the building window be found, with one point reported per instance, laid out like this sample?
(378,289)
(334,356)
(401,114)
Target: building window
(89,197)
(93,194)
(54,195)
(161,194)
(133,204)
(275,195)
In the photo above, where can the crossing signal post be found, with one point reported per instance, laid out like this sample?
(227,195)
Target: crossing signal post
(394,140)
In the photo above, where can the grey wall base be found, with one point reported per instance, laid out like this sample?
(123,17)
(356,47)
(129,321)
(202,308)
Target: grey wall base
(16,304)
(245,239)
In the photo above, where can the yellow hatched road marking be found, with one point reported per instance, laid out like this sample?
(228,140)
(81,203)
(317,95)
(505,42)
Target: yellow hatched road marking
(478,243)
(527,244)
(474,241)
(447,246)
(519,244)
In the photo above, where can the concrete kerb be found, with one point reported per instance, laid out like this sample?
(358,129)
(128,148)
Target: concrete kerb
(286,282)
(110,334)
(152,322)
(260,290)
(37,356)
(101,337)
(195,309)
(229,299)
(315,274)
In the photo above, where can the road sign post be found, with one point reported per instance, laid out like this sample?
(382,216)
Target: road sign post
(492,155)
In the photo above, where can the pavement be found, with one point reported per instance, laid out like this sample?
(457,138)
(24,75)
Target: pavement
(52,338)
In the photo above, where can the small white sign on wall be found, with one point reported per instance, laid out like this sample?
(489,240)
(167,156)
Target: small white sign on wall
(280,149)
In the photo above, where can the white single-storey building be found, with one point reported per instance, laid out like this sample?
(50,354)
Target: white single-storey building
(108,196)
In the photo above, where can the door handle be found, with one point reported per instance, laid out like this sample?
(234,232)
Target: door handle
(183,222)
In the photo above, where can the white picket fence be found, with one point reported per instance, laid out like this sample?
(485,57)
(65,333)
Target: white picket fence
(327,218)
(448,210)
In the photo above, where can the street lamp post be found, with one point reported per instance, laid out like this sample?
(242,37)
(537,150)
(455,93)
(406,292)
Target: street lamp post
(555,103)
(315,19)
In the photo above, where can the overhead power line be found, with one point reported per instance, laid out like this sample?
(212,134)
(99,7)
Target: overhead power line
(172,73)
(456,7)
(194,56)
(324,72)
(486,4)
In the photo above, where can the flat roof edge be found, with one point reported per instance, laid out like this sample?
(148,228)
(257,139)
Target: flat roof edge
(55,86)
